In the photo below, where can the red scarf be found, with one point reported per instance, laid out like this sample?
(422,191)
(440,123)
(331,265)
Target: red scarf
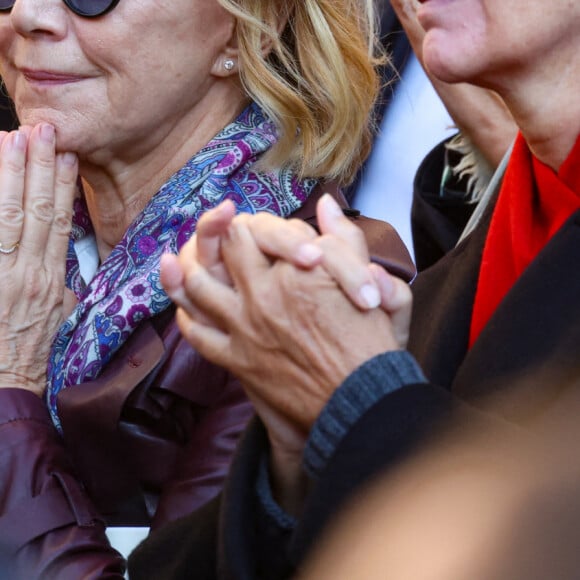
(534,202)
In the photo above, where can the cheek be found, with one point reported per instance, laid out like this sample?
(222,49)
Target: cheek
(6,36)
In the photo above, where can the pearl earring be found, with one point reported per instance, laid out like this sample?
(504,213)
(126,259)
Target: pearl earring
(229,64)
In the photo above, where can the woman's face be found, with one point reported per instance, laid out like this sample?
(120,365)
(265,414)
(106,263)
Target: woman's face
(490,42)
(126,78)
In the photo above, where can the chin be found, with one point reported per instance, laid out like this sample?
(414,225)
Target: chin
(448,62)
(60,121)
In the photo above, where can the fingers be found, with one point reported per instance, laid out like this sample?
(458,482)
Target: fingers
(394,292)
(396,300)
(210,341)
(196,292)
(350,272)
(37,189)
(210,230)
(172,275)
(346,254)
(342,249)
(289,240)
(173,272)
(332,221)
(65,188)
(39,186)
(12,170)
(243,258)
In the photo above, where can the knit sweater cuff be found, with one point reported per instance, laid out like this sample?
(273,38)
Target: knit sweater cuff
(269,504)
(376,378)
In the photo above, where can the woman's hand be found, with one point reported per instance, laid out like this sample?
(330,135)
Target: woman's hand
(37,187)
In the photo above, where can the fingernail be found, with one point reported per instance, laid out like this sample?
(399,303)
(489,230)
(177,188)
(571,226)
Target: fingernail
(308,254)
(69,159)
(332,207)
(370,296)
(19,141)
(47,133)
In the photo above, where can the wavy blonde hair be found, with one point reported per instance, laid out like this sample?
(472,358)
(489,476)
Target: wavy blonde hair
(311,65)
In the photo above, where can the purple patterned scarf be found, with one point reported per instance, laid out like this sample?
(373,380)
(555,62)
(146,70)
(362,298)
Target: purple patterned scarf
(126,288)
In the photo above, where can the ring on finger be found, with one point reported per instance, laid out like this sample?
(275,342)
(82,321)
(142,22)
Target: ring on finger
(4,249)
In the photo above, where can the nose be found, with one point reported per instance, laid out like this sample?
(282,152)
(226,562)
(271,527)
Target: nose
(39,17)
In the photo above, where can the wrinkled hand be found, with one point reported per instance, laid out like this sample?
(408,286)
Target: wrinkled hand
(282,330)
(256,288)
(287,311)
(341,249)
(37,187)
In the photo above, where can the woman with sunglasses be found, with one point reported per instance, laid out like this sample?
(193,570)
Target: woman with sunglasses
(492,341)
(137,116)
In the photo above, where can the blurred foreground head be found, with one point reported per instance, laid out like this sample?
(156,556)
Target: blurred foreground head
(484,502)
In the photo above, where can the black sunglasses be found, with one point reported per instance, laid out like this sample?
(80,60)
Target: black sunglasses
(86,8)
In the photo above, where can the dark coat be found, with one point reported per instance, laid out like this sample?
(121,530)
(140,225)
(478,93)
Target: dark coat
(527,357)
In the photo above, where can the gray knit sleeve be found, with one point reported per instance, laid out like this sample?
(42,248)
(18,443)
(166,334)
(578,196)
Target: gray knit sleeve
(374,379)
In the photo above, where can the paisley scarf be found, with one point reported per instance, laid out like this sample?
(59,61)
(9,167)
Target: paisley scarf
(126,289)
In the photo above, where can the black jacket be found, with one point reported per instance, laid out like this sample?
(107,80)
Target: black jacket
(527,353)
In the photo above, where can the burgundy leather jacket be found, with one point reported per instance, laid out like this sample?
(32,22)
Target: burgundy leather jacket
(150,440)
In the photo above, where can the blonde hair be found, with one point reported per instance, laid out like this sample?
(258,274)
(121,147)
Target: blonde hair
(311,65)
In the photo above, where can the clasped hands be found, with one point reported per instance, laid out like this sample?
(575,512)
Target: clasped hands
(291,313)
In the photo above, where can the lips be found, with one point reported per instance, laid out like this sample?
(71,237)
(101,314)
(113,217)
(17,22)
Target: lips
(49,77)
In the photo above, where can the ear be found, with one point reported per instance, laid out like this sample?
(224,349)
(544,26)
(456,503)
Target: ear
(226,62)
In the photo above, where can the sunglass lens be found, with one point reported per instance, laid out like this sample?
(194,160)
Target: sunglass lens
(88,7)
(6,4)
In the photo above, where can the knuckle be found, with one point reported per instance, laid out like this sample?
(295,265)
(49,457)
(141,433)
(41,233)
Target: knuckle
(62,222)
(14,167)
(43,210)
(44,162)
(66,179)
(11,215)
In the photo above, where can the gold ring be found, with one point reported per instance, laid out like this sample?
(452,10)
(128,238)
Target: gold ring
(10,250)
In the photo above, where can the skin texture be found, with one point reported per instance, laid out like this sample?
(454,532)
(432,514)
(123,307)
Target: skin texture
(36,211)
(480,114)
(528,53)
(292,317)
(525,51)
(134,120)
(99,100)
